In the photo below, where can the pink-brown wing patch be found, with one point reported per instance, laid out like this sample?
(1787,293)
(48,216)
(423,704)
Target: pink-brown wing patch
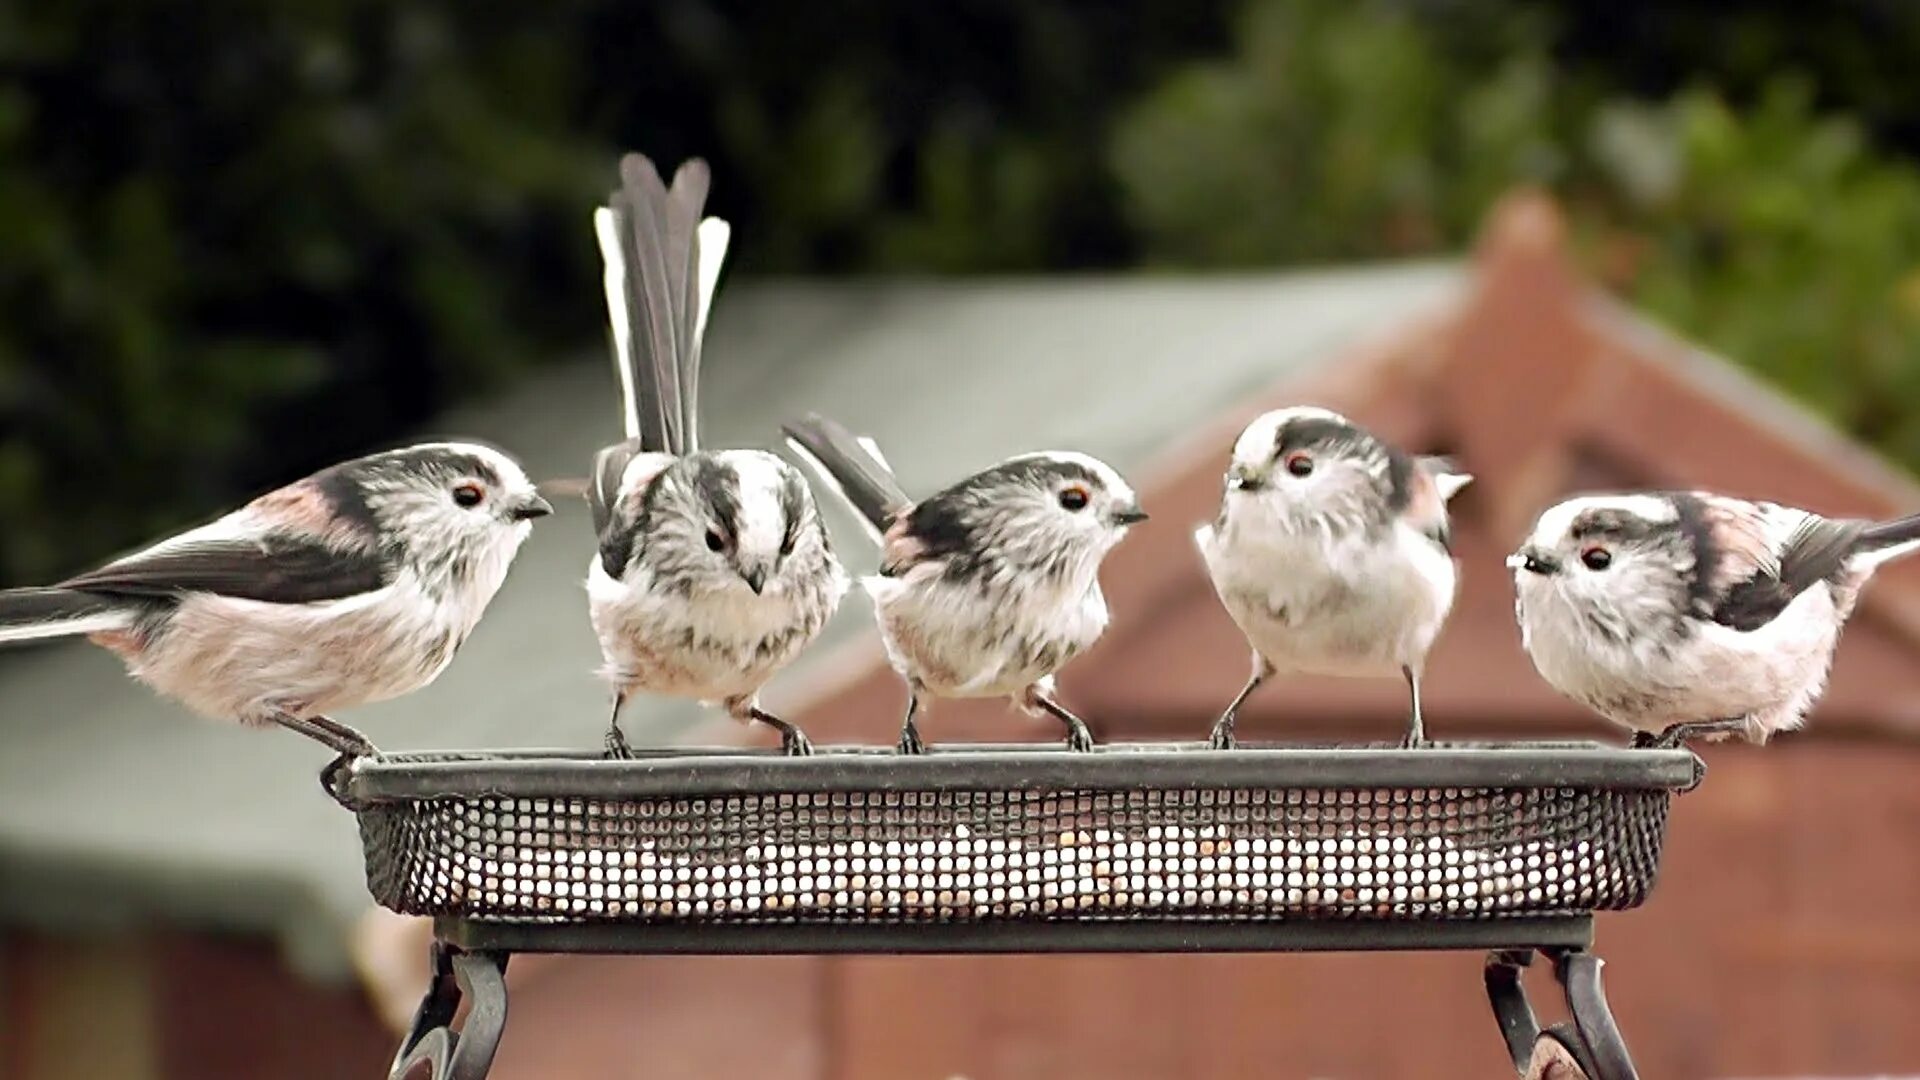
(642,471)
(638,477)
(1743,535)
(301,505)
(123,643)
(899,549)
(1426,510)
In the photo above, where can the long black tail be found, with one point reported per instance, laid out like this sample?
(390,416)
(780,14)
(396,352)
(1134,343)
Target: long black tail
(852,466)
(34,614)
(1888,534)
(662,264)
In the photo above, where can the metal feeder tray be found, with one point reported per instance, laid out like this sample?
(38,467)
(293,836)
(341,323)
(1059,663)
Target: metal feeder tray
(1507,847)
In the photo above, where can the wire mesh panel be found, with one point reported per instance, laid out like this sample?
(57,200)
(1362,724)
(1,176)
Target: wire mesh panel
(1026,834)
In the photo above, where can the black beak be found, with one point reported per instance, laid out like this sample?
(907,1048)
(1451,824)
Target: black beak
(1533,562)
(533,506)
(1241,478)
(756,579)
(1129,515)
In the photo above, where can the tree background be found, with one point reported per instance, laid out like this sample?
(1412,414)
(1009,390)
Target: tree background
(239,241)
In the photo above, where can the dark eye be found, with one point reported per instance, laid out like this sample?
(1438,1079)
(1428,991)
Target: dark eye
(716,542)
(469,494)
(1596,558)
(1074,498)
(1299,464)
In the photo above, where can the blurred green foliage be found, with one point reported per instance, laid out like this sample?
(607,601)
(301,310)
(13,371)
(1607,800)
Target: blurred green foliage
(1775,233)
(1779,237)
(238,241)
(241,240)
(1335,131)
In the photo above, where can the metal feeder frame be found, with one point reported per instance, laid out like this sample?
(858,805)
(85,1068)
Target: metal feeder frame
(564,852)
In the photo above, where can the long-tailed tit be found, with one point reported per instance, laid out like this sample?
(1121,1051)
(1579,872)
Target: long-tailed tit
(989,587)
(1330,553)
(353,585)
(1684,615)
(713,569)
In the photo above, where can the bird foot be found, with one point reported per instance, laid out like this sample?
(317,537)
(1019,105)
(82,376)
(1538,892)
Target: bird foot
(356,746)
(1678,735)
(1413,740)
(1079,739)
(1222,737)
(616,746)
(910,742)
(793,741)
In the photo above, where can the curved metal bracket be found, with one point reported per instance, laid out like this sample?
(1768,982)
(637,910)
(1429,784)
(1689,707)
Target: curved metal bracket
(1593,1038)
(1579,974)
(1510,1006)
(468,1053)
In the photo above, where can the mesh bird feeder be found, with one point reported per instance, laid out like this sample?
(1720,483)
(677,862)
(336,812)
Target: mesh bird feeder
(1507,848)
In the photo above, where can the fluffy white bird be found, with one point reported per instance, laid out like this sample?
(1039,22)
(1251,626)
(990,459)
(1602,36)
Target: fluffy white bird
(1331,554)
(354,585)
(989,587)
(713,569)
(1686,614)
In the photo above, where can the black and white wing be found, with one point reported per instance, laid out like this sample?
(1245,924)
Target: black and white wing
(275,569)
(617,495)
(603,487)
(1758,557)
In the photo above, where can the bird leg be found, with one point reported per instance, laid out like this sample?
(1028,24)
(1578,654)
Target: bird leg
(1222,737)
(792,740)
(1078,737)
(334,735)
(616,741)
(1416,736)
(1679,734)
(910,742)
(328,732)
(343,738)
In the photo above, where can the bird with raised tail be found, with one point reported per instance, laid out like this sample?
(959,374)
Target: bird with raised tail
(989,587)
(354,585)
(1330,552)
(1685,615)
(713,570)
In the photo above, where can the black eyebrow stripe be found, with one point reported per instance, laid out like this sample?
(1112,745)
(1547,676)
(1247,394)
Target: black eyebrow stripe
(1400,469)
(1310,432)
(719,486)
(486,472)
(792,504)
(1604,523)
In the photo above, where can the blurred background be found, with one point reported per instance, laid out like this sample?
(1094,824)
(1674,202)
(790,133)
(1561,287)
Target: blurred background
(241,241)
(341,216)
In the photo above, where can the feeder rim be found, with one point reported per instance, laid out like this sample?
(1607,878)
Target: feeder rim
(709,771)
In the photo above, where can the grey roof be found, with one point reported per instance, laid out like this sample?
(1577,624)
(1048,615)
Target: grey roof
(117,807)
